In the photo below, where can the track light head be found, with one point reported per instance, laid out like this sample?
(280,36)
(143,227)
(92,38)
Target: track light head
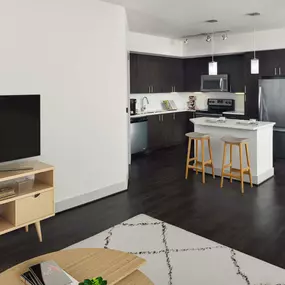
(208,38)
(224,36)
(186,41)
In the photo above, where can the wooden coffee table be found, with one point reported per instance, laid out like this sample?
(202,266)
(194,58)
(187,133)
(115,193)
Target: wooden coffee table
(116,267)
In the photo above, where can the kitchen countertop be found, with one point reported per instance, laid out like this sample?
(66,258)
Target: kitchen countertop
(159,112)
(232,124)
(238,113)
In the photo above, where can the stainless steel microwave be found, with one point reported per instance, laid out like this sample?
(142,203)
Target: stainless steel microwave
(215,83)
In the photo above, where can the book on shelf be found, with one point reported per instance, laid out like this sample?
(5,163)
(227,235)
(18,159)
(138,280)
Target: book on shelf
(7,192)
(47,273)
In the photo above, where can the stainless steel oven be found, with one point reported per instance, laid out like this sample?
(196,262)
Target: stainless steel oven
(215,83)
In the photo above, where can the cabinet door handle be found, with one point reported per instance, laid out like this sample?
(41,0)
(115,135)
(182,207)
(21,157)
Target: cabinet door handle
(37,195)
(244,89)
(280,71)
(275,71)
(162,118)
(174,88)
(148,89)
(152,89)
(174,117)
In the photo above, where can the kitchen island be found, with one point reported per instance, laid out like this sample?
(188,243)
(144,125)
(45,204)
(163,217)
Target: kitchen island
(260,138)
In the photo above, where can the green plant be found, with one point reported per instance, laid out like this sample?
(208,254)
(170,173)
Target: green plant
(94,281)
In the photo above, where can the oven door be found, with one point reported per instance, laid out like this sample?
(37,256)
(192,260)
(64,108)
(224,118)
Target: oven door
(214,83)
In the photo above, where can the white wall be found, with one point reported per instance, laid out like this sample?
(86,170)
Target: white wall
(61,49)
(144,43)
(236,43)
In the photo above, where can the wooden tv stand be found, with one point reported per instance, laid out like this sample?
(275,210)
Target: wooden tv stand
(30,206)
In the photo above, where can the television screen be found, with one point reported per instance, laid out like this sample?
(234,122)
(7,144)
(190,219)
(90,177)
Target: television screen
(20,126)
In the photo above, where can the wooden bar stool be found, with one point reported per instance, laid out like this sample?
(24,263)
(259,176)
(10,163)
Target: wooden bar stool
(239,142)
(199,165)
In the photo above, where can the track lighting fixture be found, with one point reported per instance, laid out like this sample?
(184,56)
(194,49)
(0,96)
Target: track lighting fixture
(186,41)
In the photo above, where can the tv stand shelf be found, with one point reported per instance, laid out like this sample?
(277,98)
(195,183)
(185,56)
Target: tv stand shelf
(30,206)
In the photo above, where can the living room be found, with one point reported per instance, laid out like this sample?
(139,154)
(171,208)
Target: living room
(73,190)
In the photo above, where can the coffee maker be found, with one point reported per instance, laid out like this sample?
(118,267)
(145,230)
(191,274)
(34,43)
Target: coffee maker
(133,106)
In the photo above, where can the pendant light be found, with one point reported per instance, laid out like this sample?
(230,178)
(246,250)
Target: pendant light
(254,61)
(213,65)
(254,64)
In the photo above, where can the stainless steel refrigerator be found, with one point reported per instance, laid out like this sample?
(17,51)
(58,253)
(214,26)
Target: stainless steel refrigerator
(271,103)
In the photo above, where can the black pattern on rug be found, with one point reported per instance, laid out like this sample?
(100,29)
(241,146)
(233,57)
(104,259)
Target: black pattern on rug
(164,239)
(167,250)
(176,250)
(108,238)
(239,272)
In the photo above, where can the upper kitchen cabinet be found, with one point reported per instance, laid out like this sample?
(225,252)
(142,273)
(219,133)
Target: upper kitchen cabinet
(233,65)
(174,79)
(272,62)
(194,68)
(155,74)
(144,73)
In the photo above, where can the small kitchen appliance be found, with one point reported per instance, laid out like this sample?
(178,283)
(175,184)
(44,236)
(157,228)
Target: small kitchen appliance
(133,106)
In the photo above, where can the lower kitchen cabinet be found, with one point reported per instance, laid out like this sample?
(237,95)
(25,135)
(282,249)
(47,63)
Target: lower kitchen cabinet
(155,132)
(167,130)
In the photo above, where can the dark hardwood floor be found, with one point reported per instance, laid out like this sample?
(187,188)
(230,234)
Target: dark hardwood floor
(253,223)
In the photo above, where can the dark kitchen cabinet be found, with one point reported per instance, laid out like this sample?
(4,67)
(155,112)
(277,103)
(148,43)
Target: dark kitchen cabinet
(272,62)
(155,132)
(194,68)
(251,89)
(155,74)
(174,75)
(233,65)
(180,128)
(167,130)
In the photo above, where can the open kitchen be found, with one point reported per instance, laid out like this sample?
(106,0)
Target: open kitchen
(171,97)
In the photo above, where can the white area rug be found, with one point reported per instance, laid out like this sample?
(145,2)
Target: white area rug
(177,257)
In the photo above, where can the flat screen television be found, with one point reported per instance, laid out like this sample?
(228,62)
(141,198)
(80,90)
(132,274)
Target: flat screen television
(20,126)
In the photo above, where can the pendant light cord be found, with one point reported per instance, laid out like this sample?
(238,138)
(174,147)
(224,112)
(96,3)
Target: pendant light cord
(213,44)
(254,44)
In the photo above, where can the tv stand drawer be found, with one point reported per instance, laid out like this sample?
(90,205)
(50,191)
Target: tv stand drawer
(34,208)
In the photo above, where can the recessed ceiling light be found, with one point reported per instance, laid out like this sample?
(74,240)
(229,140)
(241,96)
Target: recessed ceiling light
(212,21)
(254,14)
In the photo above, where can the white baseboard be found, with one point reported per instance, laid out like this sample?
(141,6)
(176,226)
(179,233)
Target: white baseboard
(89,197)
(256,180)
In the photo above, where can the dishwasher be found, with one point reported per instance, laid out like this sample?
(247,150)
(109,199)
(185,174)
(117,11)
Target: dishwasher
(139,135)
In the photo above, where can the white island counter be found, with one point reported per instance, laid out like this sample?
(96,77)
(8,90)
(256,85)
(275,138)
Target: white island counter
(260,138)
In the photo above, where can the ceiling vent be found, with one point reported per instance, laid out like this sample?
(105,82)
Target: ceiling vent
(254,14)
(211,21)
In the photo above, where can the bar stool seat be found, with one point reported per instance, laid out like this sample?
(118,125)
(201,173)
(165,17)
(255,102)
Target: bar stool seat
(199,165)
(235,141)
(195,135)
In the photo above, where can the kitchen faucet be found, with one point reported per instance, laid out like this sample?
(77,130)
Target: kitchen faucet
(143,108)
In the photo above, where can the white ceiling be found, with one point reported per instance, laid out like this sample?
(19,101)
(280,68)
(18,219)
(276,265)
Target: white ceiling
(178,18)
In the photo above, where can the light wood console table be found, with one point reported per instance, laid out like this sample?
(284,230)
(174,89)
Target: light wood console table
(30,206)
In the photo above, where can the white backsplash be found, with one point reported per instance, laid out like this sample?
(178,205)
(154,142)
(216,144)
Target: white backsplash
(181,99)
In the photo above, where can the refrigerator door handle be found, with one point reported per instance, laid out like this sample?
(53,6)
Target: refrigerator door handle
(259,103)
(221,82)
